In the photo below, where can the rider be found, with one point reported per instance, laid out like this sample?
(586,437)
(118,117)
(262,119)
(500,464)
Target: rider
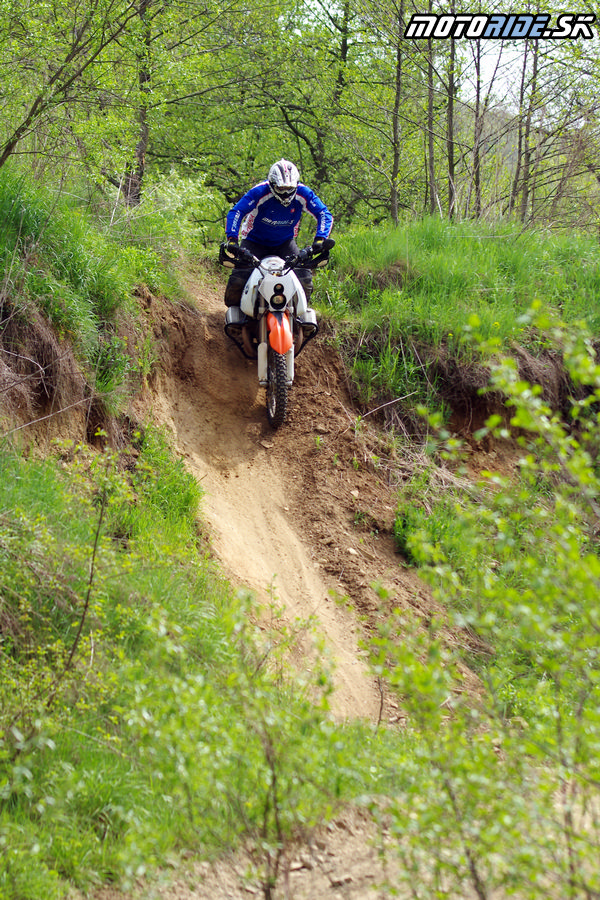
(269,215)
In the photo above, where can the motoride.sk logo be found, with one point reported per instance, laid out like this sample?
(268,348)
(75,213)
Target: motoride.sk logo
(423,26)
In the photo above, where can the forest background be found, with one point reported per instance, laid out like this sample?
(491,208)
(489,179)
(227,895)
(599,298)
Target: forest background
(148,119)
(201,98)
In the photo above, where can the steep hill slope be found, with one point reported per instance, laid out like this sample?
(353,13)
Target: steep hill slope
(301,516)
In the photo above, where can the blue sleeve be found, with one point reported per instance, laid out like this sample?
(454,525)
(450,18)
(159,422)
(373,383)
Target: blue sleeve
(245,205)
(315,206)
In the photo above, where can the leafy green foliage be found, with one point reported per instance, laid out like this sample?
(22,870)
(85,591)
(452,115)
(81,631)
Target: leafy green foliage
(136,90)
(509,785)
(140,712)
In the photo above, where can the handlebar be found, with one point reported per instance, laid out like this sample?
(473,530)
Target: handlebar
(308,258)
(305,257)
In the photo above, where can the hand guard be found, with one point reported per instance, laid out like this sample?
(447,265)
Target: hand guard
(229,252)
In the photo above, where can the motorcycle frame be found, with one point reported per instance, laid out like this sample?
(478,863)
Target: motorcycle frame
(254,303)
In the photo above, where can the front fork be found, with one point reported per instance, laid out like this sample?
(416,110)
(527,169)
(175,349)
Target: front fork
(263,346)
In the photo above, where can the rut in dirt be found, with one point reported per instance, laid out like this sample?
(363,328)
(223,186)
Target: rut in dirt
(303,516)
(259,483)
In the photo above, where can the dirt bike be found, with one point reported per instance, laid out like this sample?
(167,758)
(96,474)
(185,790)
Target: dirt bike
(273,322)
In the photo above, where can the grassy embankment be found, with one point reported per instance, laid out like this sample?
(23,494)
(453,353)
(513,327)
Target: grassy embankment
(483,297)
(513,559)
(408,296)
(140,712)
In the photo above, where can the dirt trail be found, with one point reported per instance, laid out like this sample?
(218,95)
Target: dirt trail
(282,506)
(302,516)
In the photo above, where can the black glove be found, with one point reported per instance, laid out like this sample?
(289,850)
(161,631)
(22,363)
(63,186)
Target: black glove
(232,246)
(317,245)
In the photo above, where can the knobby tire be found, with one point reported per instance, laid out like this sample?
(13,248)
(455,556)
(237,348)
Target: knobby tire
(276,388)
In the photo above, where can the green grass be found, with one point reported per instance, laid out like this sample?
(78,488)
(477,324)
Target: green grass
(411,293)
(449,271)
(166,725)
(54,258)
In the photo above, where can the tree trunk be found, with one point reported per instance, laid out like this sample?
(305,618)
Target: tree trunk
(396,119)
(343,59)
(478,127)
(515,184)
(523,212)
(133,180)
(450,130)
(430,123)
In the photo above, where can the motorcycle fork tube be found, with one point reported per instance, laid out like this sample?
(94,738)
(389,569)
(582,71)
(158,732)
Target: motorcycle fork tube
(289,362)
(262,347)
(289,356)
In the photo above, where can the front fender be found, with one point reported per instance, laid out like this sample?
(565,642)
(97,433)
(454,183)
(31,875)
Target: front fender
(280,332)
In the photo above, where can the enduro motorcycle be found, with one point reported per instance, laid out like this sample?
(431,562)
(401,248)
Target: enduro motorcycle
(273,322)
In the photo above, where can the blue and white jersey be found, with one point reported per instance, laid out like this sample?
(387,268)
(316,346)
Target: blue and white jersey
(262,218)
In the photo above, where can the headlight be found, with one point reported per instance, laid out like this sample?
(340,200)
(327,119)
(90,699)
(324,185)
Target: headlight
(278,299)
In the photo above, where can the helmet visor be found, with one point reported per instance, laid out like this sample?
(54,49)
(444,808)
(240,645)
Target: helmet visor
(285,194)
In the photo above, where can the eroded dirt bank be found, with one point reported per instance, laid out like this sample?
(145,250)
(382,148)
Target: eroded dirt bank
(299,515)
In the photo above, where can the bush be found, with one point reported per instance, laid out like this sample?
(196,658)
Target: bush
(508,796)
(141,712)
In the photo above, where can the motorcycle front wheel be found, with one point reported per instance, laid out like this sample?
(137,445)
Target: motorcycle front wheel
(276,388)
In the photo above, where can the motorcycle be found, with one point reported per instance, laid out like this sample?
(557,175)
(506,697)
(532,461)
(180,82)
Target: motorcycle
(273,322)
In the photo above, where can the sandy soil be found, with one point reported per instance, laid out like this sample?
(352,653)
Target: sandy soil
(342,863)
(298,515)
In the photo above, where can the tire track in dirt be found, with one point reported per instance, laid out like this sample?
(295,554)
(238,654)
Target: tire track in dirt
(260,487)
(302,516)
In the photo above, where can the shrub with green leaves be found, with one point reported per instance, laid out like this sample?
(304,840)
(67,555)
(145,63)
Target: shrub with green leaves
(140,712)
(509,795)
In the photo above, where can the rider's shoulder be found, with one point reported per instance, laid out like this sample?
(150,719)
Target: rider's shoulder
(256,193)
(308,195)
(261,189)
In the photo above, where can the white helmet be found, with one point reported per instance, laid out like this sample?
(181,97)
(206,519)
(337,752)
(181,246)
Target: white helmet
(283,181)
